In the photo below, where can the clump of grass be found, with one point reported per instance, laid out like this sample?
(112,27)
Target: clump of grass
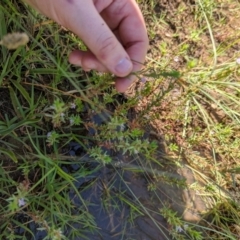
(52,105)
(48,107)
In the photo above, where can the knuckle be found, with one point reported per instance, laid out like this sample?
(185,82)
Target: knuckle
(106,46)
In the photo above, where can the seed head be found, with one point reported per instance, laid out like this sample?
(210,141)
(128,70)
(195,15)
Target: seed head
(14,40)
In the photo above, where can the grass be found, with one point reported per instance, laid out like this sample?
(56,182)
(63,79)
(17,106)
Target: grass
(67,136)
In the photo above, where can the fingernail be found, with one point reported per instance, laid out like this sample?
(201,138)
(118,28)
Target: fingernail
(124,67)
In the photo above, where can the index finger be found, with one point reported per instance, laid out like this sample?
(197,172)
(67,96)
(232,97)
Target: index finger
(129,24)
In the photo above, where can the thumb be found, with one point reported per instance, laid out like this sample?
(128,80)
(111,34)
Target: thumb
(86,22)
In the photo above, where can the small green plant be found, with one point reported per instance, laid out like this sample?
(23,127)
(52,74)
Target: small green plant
(100,156)
(173,147)
(65,133)
(178,227)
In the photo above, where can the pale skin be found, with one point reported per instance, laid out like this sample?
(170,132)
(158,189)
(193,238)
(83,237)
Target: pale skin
(113,30)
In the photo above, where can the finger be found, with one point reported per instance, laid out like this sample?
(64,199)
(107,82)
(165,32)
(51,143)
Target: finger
(89,62)
(86,60)
(86,22)
(137,52)
(122,84)
(133,35)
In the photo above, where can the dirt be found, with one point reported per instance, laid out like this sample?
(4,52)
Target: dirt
(171,37)
(175,40)
(5,107)
(181,19)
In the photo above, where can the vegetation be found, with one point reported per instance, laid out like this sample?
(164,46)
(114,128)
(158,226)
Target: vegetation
(79,160)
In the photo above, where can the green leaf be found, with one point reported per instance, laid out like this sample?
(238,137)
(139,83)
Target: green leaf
(174,74)
(14,126)
(10,154)
(22,91)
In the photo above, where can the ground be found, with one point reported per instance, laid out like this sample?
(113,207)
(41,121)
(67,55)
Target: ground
(158,162)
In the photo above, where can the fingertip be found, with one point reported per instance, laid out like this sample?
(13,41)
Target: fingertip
(74,57)
(123,68)
(86,60)
(122,84)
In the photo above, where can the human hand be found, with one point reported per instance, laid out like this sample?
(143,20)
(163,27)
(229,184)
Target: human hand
(113,30)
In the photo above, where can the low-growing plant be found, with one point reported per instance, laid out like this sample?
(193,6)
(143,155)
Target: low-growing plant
(61,130)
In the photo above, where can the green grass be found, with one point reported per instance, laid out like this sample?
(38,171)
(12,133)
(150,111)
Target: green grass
(47,104)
